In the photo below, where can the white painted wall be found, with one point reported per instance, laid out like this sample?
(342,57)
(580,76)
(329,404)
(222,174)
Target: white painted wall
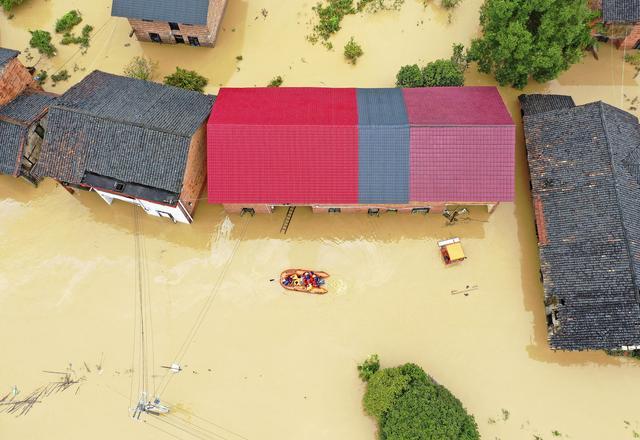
(175,213)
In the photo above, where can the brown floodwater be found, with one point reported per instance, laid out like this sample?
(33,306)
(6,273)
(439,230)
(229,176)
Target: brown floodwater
(264,364)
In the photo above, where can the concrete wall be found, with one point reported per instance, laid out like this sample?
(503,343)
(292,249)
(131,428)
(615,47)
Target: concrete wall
(177,214)
(196,170)
(206,34)
(14,79)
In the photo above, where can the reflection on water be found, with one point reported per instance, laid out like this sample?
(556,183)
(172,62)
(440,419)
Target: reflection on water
(274,365)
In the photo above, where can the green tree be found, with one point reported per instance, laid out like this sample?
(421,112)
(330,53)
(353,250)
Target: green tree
(186,79)
(352,51)
(41,40)
(68,21)
(525,38)
(369,367)
(442,73)
(141,68)
(409,76)
(8,5)
(383,389)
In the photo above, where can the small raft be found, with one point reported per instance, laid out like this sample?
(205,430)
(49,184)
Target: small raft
(303,280)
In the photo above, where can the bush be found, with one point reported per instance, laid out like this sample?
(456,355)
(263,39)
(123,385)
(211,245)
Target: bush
(329,17)
(408,404)
(523,39)
(352,51)
(450,4)
(276,82)
(82,40)
(369,367)
(141,68)
(8,5)
(41,77)
(41,40)
(409,76)
(441,73)
(68,21)
(186,79)
(63,75)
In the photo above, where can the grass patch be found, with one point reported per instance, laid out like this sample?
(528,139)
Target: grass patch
(41,40)
(68,21)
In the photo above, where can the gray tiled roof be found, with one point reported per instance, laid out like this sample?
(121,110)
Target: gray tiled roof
(7,55)
(539,103)
(178,11)
(127,129)
(582,162)
(621,11)
(15,119)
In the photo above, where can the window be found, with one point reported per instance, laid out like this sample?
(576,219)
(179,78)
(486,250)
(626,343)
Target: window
(248,211)
(40,131)
(392,210)
(155,37)
(179,39)
(420,210)
(374,211)
(334,210)
(118,186)
(194,41)
(174,26)
(149,21)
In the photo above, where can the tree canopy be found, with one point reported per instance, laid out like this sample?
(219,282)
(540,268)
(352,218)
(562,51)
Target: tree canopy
(186,79)
(409,404)
(531,38)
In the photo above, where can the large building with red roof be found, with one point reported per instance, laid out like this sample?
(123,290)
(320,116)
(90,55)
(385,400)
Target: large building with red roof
(360,149)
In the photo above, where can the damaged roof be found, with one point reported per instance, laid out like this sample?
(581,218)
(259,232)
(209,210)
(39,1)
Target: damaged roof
(127,129)
(621,11)
(584,163)
(177,11)
(16,118)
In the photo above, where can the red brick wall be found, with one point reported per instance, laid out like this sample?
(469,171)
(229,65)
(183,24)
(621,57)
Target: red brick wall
(206,34)
(632,39)
(195,172)
(14,78)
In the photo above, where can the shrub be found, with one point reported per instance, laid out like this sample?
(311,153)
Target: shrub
(450,4)
(352,51)
(408,404)
(41,40)
(141,68)
(523,39)
(8,5)
(409,76)
(186,79)
(68,21)
(276,82)
(82,40)
(41,77)
(330,16)
(383,389)
(63,75)
(369,367)
(442,73)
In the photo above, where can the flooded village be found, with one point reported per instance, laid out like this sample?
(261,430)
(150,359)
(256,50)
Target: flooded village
(100,302)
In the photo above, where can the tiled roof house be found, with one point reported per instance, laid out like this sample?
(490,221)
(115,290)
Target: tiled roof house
(622,12)
(130,140)
(360,149)
(193,22)
(23,109)
(585,174)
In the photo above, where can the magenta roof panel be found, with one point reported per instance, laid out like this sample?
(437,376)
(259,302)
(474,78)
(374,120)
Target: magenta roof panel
(462,164)
(456,106)
(281,145)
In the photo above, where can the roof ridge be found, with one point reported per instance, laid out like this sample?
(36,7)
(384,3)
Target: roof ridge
(119,121)
(625,233)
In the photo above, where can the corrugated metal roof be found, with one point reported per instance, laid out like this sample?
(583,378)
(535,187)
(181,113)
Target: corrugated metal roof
(123,128)
(582,162)
(177,11)
(383,147)
(621,11)
(7,55)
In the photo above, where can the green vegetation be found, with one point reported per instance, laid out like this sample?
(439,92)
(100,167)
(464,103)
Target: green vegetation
(63,75)
(41,40)
(8,5)
(186,79)
(82,40)
(141,68)
(439,73)
(408,404)
(41,77)
(634,60)
(68,21)
(450,4)
(633,354)
(352,51)
(276,82)
(369,367)
(539,39)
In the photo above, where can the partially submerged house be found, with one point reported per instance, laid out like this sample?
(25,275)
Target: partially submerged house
(621,20)
(192,22)
(130,140)
(584,164)
(371,150)
(23,109)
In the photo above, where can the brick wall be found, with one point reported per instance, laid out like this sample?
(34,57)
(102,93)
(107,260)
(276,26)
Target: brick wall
(206,34)
(196,171)
(632,39)
(14,78)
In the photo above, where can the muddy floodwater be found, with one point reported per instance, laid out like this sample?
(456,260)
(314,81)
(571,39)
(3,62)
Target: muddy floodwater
(258,363)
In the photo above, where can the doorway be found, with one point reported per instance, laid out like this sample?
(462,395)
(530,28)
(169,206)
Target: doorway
(179,39)
(155,37)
